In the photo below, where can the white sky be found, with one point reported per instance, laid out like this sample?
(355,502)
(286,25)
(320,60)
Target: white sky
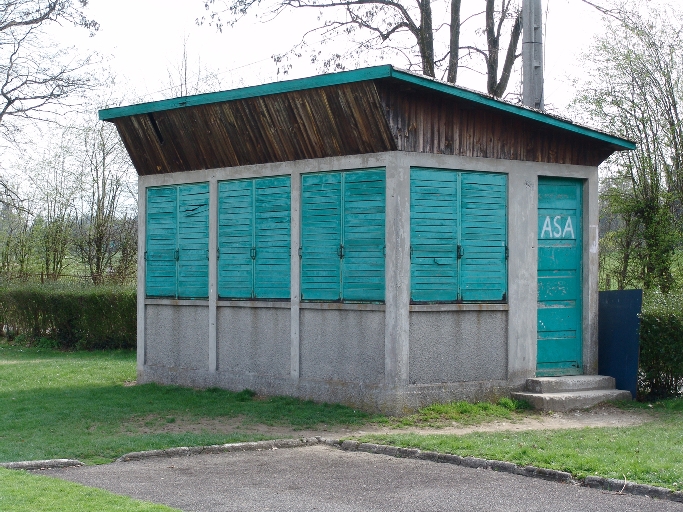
(143,39)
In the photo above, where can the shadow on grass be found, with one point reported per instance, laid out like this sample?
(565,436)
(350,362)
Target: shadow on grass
(86,422)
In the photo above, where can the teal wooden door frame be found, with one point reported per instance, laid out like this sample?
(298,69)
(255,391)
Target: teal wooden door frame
(560,277)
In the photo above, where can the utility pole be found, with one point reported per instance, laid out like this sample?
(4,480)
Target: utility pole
(532,54)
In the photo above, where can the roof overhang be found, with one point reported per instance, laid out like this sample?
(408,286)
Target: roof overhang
(361,75)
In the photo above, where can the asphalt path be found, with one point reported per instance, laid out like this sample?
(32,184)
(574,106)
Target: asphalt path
(322,478)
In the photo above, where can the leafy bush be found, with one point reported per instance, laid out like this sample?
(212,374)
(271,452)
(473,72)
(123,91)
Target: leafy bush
(70,316)
(661,346)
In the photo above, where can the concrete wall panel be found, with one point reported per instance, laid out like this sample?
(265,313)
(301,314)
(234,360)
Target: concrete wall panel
(254,341)
(458,346)
(342,345)
(177,336)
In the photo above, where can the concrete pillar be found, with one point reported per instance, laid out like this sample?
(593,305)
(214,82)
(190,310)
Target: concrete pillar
(142,226)
(590,275)
(522,274)
(213,273)
(397,272)
(532,54)
(295,296)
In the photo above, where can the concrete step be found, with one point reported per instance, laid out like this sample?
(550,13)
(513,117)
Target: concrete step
(569,383)
(569,401)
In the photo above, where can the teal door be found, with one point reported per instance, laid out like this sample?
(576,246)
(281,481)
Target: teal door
(559,277)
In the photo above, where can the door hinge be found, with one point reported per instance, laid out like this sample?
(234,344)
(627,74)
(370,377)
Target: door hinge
(340,251)
(384,251)
(145,255)
(507,252)
(300,252)
(218,253)
(411,252)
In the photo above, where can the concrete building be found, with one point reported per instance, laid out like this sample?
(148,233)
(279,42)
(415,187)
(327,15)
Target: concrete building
(371,237)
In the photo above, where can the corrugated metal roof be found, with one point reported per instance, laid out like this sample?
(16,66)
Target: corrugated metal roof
(361,75)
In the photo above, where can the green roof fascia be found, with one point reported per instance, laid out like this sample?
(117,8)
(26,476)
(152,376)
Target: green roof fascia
(359,75)
(299,84)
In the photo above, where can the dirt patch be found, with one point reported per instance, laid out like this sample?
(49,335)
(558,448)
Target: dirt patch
(600,416)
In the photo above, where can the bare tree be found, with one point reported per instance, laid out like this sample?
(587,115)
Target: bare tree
(184,79)
(33,75)
(55,186)
(396,27)
(103,228)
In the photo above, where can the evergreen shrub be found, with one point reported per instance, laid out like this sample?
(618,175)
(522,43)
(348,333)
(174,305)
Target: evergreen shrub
(661,346)
(70,316)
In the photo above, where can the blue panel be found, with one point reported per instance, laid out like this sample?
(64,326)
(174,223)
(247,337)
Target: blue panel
(235,239)
(433,235)
(618,336)
(161,239)
(483,236)
(193,241)
(272,235)
(363,228)
(559,277)
(321,236)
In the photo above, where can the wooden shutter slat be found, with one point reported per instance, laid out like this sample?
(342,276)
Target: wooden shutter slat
(433,235)
(272,237)
(235,239)
(321,235)
(483,236)
(193,240)
(161,235)
(364,234)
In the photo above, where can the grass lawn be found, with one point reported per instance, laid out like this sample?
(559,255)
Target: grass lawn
(81,405)
(651,453)
(77,405)
(24,492)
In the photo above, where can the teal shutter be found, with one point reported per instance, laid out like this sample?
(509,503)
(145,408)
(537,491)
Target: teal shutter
(235,239)
(363,240)
(321,236)
(483,236)
(433,235)
(193,240)
(272,238)
(161,239)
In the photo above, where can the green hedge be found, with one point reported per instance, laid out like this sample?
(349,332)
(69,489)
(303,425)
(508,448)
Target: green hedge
(70,316)
(661,346)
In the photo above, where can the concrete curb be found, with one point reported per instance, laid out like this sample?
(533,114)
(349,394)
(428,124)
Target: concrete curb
(184,451)
(595,482)
(41,464)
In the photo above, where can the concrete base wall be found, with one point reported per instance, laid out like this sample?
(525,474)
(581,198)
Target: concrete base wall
(253,341)
(177,337)
(342,346)
(458,346)
(454,354)
(375,398)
